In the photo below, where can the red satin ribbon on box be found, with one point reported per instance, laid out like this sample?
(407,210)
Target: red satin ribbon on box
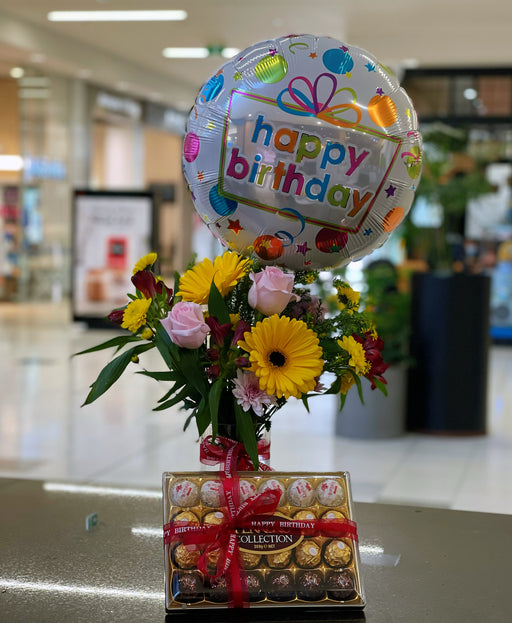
(216,453)
(256,514)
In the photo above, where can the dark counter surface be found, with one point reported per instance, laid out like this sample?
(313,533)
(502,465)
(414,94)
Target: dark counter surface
(419,564)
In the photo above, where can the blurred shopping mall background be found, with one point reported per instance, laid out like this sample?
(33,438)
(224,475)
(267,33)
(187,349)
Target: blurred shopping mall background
(100,107)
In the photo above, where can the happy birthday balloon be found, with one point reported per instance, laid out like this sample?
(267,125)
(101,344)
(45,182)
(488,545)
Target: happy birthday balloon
(303,152)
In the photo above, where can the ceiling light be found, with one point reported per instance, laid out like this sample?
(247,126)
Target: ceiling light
(35,81)
(17,72)
(11,163)
(37,57)
(185,52)
(229,52)
(199,52)
(116,16)
(470,94)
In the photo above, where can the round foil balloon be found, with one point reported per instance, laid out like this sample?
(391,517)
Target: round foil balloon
(303,152)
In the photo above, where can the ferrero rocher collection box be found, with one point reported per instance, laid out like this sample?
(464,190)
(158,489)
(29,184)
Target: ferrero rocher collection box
(304,554)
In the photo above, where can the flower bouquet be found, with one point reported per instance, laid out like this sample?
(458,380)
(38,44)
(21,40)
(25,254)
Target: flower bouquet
(238,340)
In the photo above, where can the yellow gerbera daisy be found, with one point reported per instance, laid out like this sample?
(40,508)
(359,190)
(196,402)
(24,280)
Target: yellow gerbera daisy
(135,314)
(285,356)
(357,356)
(226,271)
(144,262)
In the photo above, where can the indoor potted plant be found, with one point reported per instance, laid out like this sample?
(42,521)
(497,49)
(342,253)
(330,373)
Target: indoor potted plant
(387,303)
(450,305)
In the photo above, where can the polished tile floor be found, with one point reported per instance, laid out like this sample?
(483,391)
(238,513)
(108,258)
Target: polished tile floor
(45,434)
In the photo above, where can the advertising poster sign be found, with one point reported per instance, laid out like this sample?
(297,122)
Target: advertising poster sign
(111,231)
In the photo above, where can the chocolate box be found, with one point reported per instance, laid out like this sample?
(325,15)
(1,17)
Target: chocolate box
(304,566)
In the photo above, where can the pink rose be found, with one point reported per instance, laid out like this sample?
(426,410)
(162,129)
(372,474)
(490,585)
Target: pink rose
(185,325)
(271,290)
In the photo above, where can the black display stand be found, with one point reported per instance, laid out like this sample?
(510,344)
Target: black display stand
(447,384)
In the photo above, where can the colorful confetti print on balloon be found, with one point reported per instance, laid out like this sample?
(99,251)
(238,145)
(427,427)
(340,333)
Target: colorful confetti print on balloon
(271,68)
(382,111)
(191,146)
(330,241)
(221,205)
(212,88)
(338,60)
(392,219)
(300,44)
(268,247)
(413,162)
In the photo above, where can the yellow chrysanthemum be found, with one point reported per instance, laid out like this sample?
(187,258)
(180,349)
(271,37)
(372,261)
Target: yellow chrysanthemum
(226,271)
(357,356)
(348,298)
(285,356)
(347,380)
(135,314)
(146,334)
(144,262)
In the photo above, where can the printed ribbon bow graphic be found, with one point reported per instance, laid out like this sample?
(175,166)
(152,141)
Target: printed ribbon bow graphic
(308,104)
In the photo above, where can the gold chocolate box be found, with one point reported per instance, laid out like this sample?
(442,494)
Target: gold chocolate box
(300,568)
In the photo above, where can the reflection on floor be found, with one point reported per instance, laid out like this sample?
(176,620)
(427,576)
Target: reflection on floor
(44,434)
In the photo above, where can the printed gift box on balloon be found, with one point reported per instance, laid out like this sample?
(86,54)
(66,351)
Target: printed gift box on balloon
(303,152)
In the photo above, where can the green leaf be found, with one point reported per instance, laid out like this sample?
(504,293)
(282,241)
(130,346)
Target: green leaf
(202,416)
(359,387)
(118,342)
(305,402)
(159,376)
(192,370)
(214,401)
(173,401)
(381,386)
(188,420)
(177,278)
(343,397)
(112,371)
(167,349)
(217,305)
(176,386)
(247,434)
(335,387)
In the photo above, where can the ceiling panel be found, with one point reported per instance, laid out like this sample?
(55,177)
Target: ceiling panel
(433,33)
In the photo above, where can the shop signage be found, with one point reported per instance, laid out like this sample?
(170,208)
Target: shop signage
(38,168)
(123,106)
(165,118)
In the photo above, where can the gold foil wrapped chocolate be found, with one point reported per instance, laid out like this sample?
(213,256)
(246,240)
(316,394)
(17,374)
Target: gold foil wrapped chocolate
(337,553)
(185,556)
(308,554)
(281,560)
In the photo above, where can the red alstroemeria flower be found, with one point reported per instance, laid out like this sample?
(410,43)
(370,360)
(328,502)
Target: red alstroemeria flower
(373,353)
(242,327)
(116,316)
(160,287)
(145,283)
(218,331)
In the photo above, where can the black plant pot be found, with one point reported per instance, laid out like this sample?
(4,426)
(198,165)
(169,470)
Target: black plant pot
(447,384)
